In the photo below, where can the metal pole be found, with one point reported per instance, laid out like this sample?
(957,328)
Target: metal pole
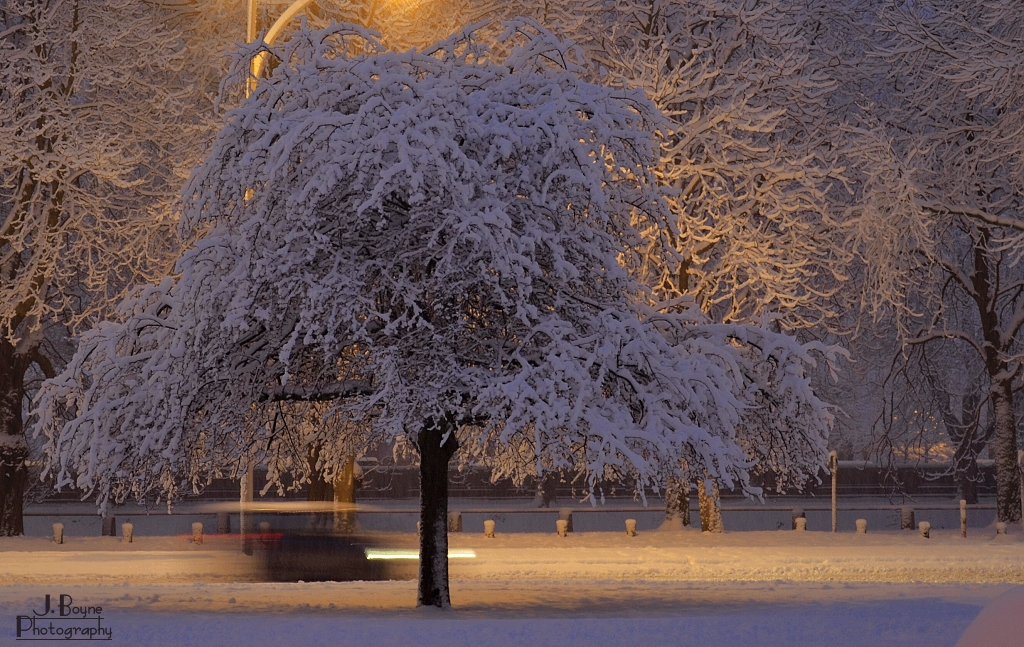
(250,22)
(245,525)
(833,464)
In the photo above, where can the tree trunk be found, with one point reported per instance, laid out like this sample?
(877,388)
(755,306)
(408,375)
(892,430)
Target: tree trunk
(1004,451)
(13,448)
(710,506)
(677,503)
(434,457)
(545,497)
(1003,446)
(318,490)
(345,497)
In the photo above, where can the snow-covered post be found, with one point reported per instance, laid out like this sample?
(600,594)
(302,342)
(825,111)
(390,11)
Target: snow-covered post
(800,524)
(798,513)
(58,533)
(833,465)
(197,532)
(631,527)
(223,523)
(565,514)
(925,528)
(963,518)
(561,527)
(127,532)
(862,526)
(906,518)
(489,529)
(1000,528)
(454,521)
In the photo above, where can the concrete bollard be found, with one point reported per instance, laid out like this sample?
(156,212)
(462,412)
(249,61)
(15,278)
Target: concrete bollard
(109,527)
(906,518)
(489,529)
(862,526)
(1001,528)
(197,533)
(562,527)
(963,518)
(223,523)
(454,522)
(58,533)
(800,523)
(565,514)
(798,513)
(631,527)
(925,528)
(127,531)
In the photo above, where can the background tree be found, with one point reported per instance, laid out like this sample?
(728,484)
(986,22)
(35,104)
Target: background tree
(937,214)
(100,125)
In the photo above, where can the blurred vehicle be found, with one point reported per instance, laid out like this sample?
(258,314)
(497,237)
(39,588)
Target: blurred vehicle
(329,557)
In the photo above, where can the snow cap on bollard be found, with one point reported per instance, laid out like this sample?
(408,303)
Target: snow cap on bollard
(197,532)
(1000,528)
(489,528)
(862,526)
(800,523)
(925,528)
(454,521)
(58,533)
(631,527)
(562,527)
(798,513)
(565,514)
(127,532)
(906,518)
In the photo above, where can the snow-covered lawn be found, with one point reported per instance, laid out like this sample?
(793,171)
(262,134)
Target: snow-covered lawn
(589,589)
(649,557)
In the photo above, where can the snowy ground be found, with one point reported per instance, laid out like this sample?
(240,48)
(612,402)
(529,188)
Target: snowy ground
(590,589)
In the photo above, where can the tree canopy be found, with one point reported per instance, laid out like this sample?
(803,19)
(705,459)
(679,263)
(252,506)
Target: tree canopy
(415,236)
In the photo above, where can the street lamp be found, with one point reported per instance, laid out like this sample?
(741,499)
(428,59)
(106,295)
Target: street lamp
(245,519)
(260,59)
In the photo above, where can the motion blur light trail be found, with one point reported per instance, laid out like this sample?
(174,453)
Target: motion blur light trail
(388,553)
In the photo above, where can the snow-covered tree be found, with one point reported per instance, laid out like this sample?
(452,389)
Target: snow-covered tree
(99,127)
(745,151)
(937,215)
(443,244)
(746,146)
